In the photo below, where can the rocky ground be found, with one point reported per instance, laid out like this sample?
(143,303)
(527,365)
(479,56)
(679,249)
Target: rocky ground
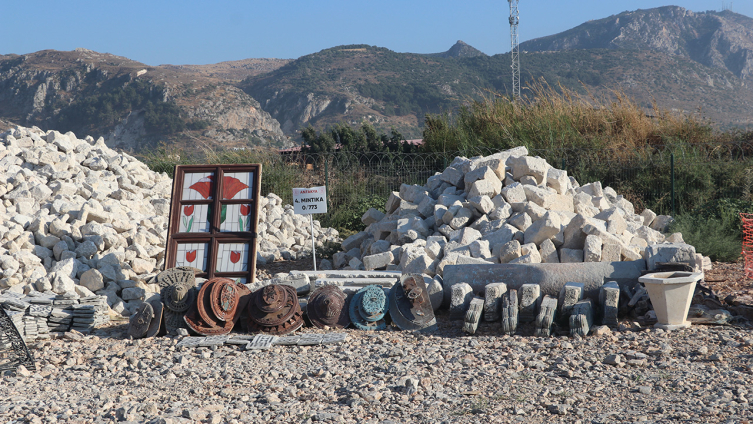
(629,375)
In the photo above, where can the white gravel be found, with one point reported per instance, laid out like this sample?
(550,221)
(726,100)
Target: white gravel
(699,374)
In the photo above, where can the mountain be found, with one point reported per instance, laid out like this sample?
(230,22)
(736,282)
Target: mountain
(715,39)
(459,49)
(699,63)
(132,105)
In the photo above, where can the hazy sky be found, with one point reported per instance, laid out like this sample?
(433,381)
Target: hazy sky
(199,32)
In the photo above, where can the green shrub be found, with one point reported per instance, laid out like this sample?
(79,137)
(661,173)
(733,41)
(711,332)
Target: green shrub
(346,218)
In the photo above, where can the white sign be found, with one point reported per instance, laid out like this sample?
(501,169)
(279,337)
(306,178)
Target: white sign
(308,201)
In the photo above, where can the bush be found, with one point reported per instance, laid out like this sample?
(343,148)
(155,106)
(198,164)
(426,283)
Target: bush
(346,218)
(715,229)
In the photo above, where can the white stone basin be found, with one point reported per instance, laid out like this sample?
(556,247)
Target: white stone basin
(671,293)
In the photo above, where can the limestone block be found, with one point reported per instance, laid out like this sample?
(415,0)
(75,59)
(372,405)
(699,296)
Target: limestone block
(480,249)
(355,263)
(648,217)
(467,260)
(426,207)
(535,211)
(421,264)
(514,193)
(611,253)
(483,204)
(371,216)
(669,252)
(377,261)
(393,202)
(412,193)
(630,253)
(461,296)
(480,173)
(543,229)
(529,299)
(493,300)
(557,179)
(487,187)
(509,251)
(473,315)
(92,279)
(570,294)
(510,312)
(581,318)
(354,241)
(453,176)
(461,218)
(61,283)
(675,238)
(609,302)
(546,316)
(133,293)
(616,223)
(527,165)
(548,252)
(592,189)
(571,255)
(592,249)
(520,220)
(661,223)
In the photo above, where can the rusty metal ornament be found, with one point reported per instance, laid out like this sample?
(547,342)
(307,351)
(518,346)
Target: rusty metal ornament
(200,318)
(328,306)
(178,297)
(177,275)
(274,309)
(368,307)
(410,306)
(224,299)
(156,325)
(139,322)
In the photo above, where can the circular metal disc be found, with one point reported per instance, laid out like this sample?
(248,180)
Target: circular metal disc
(172,276)
(282,319)
(224,299)
(357,315)
(410,306)
(139,323)
(328,306)
(156,325)
(178,297)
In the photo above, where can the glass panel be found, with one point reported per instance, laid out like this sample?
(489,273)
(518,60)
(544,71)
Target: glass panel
(236,185)
(194,219)
(232,257)
(236,218)
(197,186)
(193,255)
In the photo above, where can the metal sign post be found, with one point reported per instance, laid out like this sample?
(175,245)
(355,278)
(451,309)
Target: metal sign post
(308,201)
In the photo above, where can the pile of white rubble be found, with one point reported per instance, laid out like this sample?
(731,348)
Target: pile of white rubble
(505,208)
(77,217)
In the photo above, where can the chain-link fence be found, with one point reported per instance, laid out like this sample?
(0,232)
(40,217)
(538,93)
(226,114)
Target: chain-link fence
(668,180)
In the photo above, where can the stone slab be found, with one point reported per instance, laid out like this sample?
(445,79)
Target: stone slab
(473,315)
(545,319)
(510,312)
(261,342)
(493,301)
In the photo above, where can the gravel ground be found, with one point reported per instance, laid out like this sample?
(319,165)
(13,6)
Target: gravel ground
(700,374)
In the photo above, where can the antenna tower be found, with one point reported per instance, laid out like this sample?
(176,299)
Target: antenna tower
(515,48)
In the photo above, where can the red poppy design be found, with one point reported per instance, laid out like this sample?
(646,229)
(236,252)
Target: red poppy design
(235,256)
(204,186)
(188,210)
(245,210)
(191,256)
(231,186)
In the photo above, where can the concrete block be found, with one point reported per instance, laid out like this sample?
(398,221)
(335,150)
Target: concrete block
(609,300)
(546,316)
(510,312)
(461,296)
(493,300)
(529,299)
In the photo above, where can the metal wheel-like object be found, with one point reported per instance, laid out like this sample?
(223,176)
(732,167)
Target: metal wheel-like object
(327,306)
(274,309)
(175,276)
(178,297)
(224,299)
(201,319)
(156,325)
(410,306)
(139,322)
(368,307)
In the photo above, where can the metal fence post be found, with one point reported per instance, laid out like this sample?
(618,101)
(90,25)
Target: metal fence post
(672,178)
(326,175)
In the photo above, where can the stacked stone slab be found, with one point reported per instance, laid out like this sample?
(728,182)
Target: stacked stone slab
(77,217)
(508,207)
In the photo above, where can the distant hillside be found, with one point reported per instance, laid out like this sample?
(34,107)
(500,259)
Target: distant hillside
(715,39)
(131,104)
(235,70)
(459,49)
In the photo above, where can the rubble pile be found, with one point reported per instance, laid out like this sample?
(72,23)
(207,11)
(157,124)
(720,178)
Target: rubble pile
(508,207)
(80,220)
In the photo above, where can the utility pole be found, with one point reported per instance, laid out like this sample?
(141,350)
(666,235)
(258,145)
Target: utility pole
(515,48)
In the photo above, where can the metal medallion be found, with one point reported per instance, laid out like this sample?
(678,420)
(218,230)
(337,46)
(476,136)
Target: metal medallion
(274,309)
(327,306)
(368,307)
(224,299)
(178,297)
(176,276)
(200,317)
(139,323)
(410,306)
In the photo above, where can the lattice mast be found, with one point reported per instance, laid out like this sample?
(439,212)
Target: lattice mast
(515,48)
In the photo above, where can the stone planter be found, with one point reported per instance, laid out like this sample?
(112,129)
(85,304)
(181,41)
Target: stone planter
(671,294)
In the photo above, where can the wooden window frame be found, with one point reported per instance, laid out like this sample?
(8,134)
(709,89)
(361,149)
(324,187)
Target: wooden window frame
(214,236)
